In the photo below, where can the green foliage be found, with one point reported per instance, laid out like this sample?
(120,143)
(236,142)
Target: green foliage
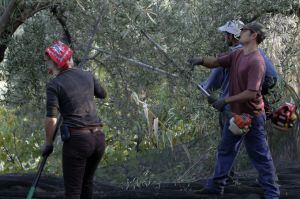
(183,145)
(19,152)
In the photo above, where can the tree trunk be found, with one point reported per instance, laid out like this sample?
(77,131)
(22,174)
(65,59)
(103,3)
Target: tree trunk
(22,12)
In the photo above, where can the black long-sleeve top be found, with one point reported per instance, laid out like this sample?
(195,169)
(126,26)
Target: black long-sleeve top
(72,93)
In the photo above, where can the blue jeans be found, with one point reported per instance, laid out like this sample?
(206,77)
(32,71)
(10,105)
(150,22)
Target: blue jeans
(223,117)
(258,152)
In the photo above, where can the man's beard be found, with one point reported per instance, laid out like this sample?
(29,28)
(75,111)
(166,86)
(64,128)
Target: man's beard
(229,43)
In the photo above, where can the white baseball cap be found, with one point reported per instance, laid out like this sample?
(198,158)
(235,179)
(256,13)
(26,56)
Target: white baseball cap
(232,27)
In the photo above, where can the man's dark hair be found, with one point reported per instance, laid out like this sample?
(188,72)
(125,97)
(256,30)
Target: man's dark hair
(257,28)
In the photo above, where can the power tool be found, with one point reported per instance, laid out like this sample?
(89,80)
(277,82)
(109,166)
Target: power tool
(240,124)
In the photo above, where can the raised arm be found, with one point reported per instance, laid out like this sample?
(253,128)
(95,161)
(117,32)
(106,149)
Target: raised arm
(214,62)
(208,62)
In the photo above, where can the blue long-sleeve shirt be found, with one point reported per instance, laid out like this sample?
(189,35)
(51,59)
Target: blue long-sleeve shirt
(219,77)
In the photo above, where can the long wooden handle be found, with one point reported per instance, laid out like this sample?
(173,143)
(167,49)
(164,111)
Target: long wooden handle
(42,165)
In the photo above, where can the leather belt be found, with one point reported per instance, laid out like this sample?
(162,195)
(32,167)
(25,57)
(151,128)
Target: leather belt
(86,129)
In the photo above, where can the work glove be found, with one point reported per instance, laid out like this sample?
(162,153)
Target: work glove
(195,61)
(47,150)
(211,100)
(219,104)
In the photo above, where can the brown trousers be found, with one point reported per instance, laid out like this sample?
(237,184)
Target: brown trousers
(81,156)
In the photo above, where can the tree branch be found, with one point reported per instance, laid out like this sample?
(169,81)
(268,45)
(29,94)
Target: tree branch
(134,62)
(24,14)
(151,40)
(295,9)
(89,45)
(159,48)
(8,12)
(62,21)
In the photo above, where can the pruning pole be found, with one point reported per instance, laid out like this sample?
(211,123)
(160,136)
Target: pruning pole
(42,165)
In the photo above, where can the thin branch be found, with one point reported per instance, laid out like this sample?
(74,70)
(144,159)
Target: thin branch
(295,9)
(89,45)
(134,62)
(11,158)
(151,40)
(8,12)
(183,73)
(201,159)
(62,21)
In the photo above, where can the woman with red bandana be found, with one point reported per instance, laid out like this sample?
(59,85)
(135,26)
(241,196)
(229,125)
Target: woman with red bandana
(72,92)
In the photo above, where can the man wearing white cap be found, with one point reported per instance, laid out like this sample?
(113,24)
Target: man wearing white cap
(219,77)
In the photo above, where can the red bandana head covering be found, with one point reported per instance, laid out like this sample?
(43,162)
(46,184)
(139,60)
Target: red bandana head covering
(60,53)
